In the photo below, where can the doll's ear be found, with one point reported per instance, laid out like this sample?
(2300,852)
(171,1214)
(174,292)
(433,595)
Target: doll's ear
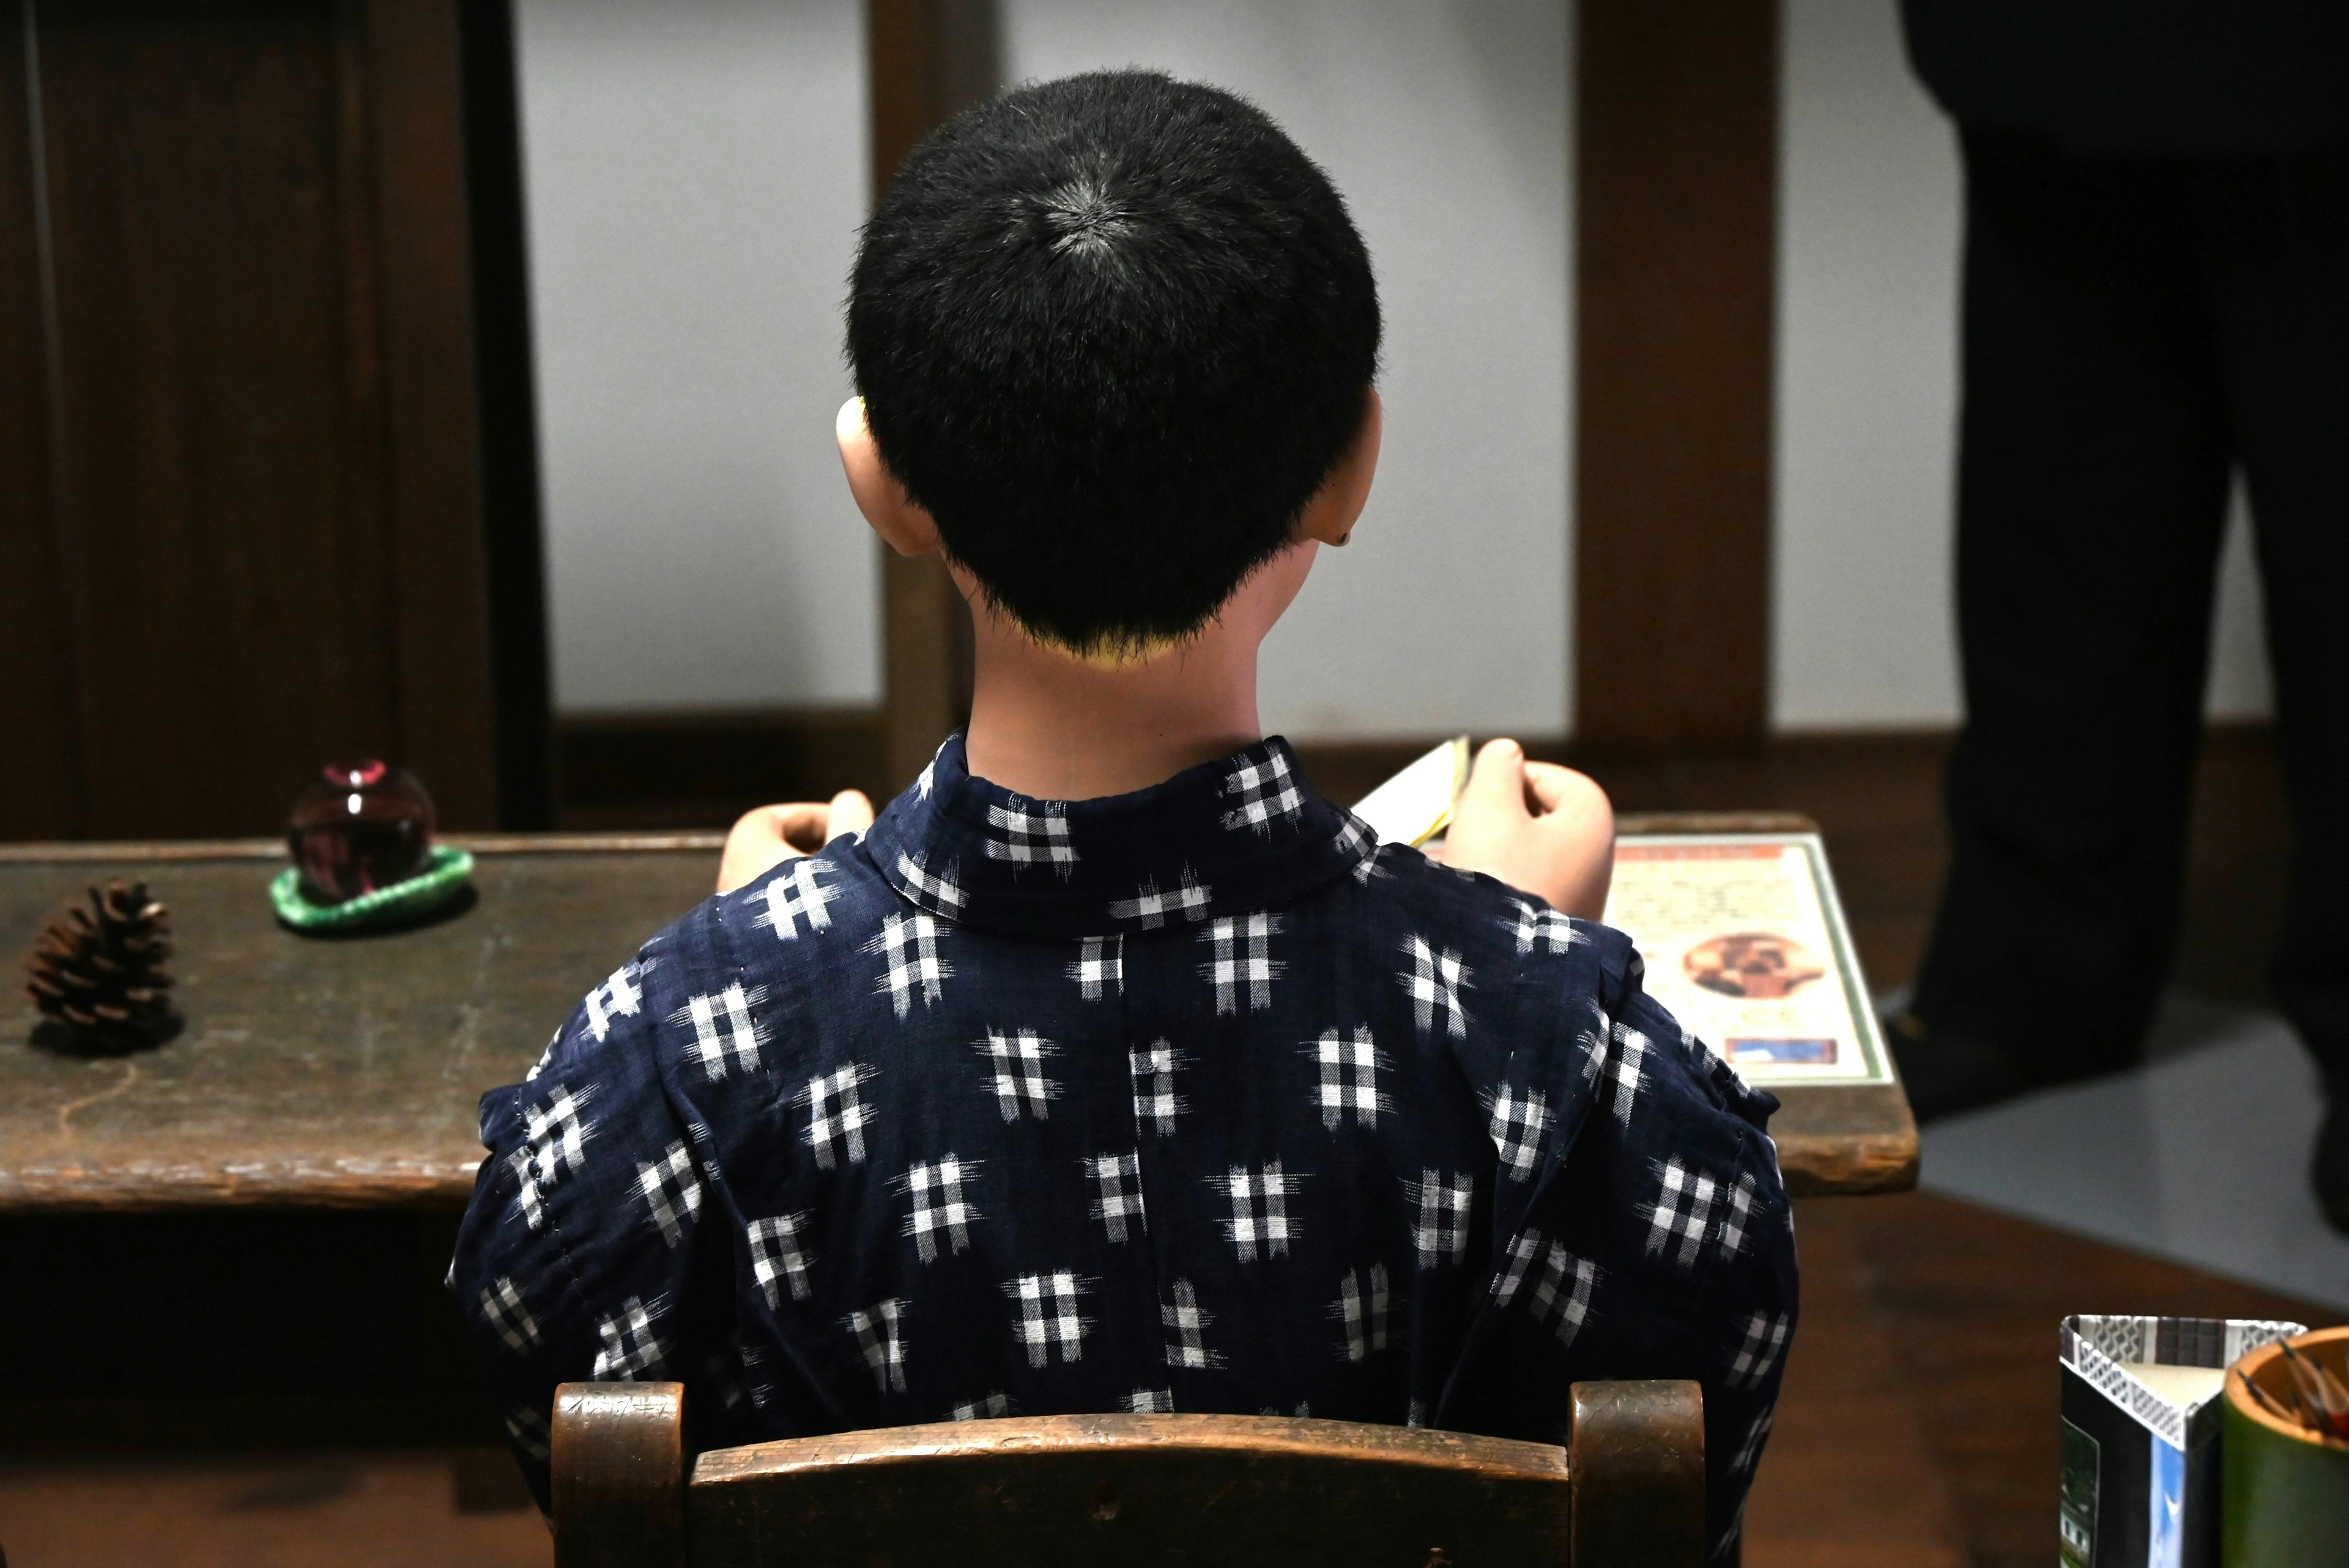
(1330,515)
(902,524)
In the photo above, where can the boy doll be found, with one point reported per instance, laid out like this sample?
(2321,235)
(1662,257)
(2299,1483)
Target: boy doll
(1112,1067)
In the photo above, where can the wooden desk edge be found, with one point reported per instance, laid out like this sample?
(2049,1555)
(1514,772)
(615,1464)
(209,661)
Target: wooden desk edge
(1845,1140)
(154,1192)
(140,851)
(1816,1167)
(1653,824)
(136,851)
(1813,1166)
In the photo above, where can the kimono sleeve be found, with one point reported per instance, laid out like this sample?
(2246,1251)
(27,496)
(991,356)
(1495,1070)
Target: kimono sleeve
(1656,1239)
(585,1254)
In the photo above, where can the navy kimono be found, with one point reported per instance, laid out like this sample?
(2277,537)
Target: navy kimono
(1192,1099)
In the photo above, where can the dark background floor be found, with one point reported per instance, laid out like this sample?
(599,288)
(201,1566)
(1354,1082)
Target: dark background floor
(1919,1423)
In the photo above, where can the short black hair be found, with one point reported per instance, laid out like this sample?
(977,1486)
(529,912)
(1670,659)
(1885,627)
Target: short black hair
(1113,332)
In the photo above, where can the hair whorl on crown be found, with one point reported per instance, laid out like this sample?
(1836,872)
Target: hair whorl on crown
(1113,332)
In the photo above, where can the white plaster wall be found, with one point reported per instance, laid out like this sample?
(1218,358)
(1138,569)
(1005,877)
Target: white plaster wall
(696,174)
(1444,123)
(1866,377)
(695,181)
(1866,393)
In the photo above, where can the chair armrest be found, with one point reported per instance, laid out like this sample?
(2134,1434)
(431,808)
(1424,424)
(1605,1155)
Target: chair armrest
(1637,1458)
(618,1474)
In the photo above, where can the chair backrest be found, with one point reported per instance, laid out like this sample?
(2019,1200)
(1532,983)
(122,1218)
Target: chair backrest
(1230,1491)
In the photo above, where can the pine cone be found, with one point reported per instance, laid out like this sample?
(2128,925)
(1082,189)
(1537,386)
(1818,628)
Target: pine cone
(99,971)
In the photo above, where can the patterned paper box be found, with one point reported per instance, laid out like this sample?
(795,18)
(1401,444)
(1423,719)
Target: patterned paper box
(2140,1455)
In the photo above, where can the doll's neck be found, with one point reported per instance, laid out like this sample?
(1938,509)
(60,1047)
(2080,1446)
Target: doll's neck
(1045,726)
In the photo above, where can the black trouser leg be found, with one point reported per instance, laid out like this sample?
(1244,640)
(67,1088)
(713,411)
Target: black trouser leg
(2277,233)
(2091,490)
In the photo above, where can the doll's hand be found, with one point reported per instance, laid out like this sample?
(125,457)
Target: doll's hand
(1539,828)
(765,838)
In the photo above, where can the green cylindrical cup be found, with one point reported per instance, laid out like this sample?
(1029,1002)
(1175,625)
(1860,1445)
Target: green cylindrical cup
(2286,1490)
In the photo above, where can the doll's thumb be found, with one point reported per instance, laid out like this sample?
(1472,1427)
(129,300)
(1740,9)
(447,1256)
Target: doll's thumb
(1497,781)
(851,812)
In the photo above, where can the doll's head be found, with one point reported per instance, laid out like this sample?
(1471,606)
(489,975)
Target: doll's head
(1113,332)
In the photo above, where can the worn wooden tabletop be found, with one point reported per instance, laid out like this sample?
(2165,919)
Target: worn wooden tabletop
(324,1071)
(344,1073)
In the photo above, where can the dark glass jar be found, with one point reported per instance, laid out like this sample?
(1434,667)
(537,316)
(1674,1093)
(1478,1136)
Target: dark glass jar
(359,827)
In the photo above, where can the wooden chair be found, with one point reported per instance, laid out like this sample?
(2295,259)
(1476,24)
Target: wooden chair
(1227,1491)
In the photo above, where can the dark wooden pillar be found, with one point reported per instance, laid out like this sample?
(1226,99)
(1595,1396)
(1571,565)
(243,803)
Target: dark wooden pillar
(243,471)
(928,58)
(41,790)
(1676,176)
(506,397)
(447,708)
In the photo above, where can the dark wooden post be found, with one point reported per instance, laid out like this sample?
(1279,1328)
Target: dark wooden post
(41,699)
(242,527)
(439,560)
(928,60)
(1676,181)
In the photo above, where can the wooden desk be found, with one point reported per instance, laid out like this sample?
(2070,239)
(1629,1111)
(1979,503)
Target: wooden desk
(337,1073)
(344,1074)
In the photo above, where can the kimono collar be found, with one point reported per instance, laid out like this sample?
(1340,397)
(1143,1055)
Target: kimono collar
(1219,839)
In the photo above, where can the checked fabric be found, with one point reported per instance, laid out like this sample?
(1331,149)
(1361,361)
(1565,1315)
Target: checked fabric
(1193,1099)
